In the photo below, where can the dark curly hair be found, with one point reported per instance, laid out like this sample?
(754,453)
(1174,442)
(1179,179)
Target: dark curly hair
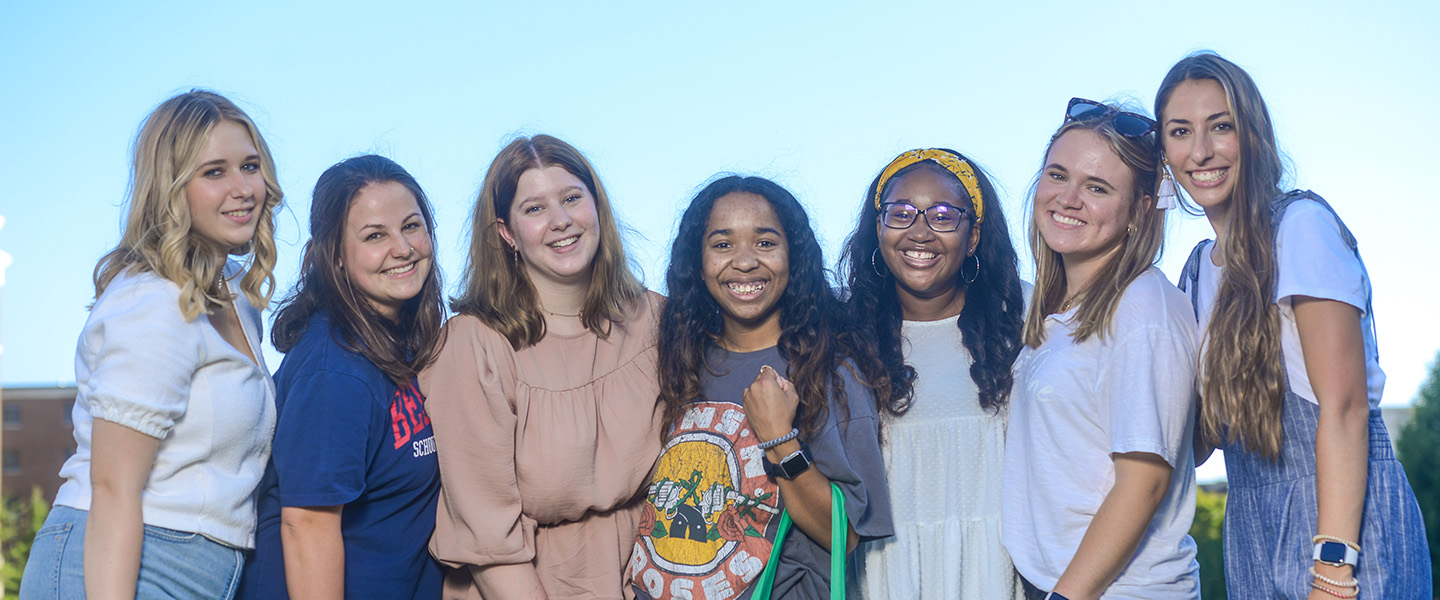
(990,324)
(814,340)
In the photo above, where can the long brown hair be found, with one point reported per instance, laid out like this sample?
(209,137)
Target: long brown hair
(158,237)
(1140,250)
(495,287)
(1242,387)
(399,348)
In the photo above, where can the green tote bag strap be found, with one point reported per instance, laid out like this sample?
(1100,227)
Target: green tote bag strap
(839,530)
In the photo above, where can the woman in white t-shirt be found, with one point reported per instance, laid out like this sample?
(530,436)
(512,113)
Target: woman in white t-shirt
(1099,484)
(176,408)
(932,277)
(1318,506)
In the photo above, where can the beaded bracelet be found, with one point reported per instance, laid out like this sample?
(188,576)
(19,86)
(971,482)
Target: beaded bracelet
(1330,538)
(794,433)
(1353,593)
(1344,584)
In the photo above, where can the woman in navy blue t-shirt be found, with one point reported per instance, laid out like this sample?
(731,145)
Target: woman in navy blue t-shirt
(348,505)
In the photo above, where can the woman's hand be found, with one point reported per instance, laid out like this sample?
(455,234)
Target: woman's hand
(770,404)
(1141,482)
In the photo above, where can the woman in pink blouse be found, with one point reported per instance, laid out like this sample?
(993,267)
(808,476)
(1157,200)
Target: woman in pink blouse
(544,396)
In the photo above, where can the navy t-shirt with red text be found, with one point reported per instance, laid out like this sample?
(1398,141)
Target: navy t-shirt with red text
(345,435)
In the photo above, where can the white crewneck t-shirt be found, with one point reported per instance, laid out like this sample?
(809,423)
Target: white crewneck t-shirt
(1073,406)
(1314,261)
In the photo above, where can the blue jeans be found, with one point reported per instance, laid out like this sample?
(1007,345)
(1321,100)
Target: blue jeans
(173,564)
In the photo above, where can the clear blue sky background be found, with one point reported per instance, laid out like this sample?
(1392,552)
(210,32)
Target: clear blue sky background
(661,96)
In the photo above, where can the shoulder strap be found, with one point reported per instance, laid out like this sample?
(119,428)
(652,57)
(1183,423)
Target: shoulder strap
(839,530)
(1190,276)
(1279,205)
(1283,202)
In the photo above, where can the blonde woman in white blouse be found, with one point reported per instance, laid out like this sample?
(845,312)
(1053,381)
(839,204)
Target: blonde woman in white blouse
(175,408)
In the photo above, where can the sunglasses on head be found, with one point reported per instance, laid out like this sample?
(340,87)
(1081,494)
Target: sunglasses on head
(1127,124)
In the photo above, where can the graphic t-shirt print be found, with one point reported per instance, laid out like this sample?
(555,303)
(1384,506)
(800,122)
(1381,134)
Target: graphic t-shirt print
(708,525)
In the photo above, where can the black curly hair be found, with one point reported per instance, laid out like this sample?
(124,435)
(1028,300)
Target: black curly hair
(814,339)
(990,324)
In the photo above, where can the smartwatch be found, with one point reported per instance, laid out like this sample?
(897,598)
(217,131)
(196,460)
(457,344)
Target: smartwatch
(1336,554)
(791,466)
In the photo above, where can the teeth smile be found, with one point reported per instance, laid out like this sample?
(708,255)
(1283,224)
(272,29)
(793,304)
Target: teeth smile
(1066,220)
(399,270)
(747,288)
(920,254)
(237,213)
(565,242)
(1209,176)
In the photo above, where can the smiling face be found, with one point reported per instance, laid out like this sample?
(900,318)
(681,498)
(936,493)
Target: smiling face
(552,223)
(926,263)
(226,192)
(1201,145)
(1083,202)
(746,262)
(385,248)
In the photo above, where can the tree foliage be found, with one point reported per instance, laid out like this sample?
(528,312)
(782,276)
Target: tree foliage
(1208,530)
(1418,448)
(20,518)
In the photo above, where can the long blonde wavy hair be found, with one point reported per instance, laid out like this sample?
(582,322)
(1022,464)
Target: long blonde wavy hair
(158,237)
(1242,387)
(495,287)
(1139,251)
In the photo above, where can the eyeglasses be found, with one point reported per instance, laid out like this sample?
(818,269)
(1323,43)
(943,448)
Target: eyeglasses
(941,218)
(1127,124)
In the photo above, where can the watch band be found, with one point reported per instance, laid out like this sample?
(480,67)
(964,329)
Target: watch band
(791,466)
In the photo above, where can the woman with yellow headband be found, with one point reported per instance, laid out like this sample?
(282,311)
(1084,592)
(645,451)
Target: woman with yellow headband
(932,276)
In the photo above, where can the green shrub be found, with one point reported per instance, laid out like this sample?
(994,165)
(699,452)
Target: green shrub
(20,518)
(1209,533)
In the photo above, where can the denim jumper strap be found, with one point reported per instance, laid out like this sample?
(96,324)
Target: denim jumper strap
(1271,506)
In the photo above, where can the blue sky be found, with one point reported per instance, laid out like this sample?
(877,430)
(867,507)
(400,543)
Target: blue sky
(661,96)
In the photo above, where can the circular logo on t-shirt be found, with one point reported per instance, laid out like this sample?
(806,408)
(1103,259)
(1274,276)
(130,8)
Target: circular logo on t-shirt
(709,507)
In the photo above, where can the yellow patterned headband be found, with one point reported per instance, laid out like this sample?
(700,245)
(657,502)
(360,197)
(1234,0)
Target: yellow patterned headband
(952,163)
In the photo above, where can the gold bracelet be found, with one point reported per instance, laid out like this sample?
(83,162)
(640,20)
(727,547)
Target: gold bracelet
(1347,584)
(1330,538)
(1353,594)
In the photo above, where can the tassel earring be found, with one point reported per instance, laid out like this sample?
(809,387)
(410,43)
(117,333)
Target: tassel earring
(1168,196)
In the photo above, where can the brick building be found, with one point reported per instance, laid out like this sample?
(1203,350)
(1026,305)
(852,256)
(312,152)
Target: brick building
(38,437)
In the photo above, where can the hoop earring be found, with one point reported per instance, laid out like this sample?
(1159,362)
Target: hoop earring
(874,264)
(970,279)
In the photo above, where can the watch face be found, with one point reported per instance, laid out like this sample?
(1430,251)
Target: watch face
(795,465)
(1332,552)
